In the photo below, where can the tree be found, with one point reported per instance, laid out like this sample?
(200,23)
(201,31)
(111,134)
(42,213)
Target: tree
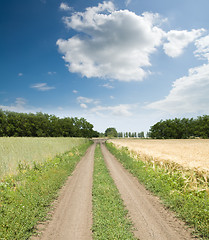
(43,125)
(141,134)
(111,132)
(181,128)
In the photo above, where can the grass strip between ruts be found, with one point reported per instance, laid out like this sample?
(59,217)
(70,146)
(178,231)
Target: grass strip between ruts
(110,220)
(26,197)
(192,205)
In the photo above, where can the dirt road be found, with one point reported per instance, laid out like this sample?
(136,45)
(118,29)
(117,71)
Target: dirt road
(151,220)
(72,218)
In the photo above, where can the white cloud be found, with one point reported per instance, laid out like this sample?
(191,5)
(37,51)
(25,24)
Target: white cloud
(127,2)
(51,73)
(83,105)
(65,7)
(107,85)
(18,106)
(112,97)
(178,40)
(114,44)
(190,94)
(202,45)
(121,110)
(75,91)
(42,87)
(20,101)
(83,101)
(20,74)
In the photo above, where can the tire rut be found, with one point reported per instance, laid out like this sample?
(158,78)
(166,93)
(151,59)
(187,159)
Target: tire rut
(150,218)
(72,218)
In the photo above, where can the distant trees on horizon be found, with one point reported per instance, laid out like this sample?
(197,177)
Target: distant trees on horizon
(13,124)
(131,135)
(181,128)
(173,129)
(112,132)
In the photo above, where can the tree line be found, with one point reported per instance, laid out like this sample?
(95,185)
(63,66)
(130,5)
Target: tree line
(13,124)
(181,128)
(112,132)
(131,135)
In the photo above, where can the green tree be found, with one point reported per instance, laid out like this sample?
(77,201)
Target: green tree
(43,125)
(111,132)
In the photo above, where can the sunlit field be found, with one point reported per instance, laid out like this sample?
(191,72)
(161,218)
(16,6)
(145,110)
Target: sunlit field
(189,153)
(15,150)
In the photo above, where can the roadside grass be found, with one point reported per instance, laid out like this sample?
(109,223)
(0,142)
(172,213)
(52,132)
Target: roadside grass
(110,220)
(25,198)
(26,150)
(175,187)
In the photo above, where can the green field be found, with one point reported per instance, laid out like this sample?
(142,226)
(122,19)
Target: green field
(17,151)
(25,198)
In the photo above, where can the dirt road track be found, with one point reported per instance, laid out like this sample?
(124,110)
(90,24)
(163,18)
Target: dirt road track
(150,218)
(72,219)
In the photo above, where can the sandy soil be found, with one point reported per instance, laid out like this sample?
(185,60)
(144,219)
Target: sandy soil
(72,218)
(151,220)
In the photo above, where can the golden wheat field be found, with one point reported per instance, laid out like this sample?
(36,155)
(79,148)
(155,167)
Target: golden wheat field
(189,153)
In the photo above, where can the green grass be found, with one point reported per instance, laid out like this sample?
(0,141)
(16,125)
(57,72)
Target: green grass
(174,188)
(25,198)
(26,150)
(110,219)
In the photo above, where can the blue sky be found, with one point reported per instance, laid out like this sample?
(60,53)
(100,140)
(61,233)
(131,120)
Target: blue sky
(123,64)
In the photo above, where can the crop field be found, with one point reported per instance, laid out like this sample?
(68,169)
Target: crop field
(184,191)
(22,150)
(189,153)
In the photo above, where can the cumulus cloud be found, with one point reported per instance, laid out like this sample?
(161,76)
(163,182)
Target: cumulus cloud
(20,74)
(178,40)
(65,7)
(42,87)
(202,45)
(189,94)
(75,91)
(113,44)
